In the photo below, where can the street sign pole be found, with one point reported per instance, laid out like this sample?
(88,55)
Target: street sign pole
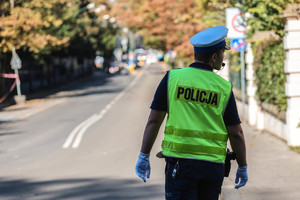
(18,83)
(239,44)
(16,64)
(237,29)
(242,53)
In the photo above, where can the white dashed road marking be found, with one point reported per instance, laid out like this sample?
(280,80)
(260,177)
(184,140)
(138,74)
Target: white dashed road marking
(77,134)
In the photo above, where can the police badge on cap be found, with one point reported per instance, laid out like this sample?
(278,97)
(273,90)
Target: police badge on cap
(210,39)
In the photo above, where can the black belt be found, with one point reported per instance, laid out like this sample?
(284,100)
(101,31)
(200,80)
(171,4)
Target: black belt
(192,161)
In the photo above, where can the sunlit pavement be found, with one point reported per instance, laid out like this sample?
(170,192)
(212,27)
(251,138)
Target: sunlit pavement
(36,165)
(273,169)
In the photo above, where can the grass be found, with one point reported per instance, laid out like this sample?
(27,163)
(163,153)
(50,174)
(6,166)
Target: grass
(295,148)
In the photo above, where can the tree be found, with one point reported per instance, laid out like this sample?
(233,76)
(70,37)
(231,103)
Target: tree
(265,15)
(91,31)
(164,24)
(28,26)
(46,28)
(169,24)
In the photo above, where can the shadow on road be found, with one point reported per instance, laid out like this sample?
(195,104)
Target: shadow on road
(86,189)
(97,79)
(6,131)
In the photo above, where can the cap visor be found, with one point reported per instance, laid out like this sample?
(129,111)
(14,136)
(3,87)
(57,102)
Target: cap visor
(227,47)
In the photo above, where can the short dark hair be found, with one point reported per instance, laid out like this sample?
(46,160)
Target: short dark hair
(205,57)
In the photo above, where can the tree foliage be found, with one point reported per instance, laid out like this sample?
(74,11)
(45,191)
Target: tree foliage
(265,15)
(169,24)
(27,25)
(164,24)
(45,26)
(269,55)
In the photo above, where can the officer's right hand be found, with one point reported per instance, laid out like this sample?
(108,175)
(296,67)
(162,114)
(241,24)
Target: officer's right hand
(143,166)
(241,177)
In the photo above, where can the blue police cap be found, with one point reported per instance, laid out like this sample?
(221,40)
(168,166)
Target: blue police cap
(210,39)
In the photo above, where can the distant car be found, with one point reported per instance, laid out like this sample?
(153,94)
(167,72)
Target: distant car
(140,60)
(151,59)
(99,60)
(118,67)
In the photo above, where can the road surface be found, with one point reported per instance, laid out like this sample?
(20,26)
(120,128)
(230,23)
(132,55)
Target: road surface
(85,147)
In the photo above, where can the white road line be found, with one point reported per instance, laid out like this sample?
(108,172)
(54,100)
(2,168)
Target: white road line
(79,130)
(83,129)
(74,132)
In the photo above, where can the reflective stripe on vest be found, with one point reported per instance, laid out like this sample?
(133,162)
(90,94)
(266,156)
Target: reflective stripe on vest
(195,128)
(188,148)
(195,134)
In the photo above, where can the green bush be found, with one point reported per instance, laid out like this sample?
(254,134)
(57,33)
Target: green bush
(269,71)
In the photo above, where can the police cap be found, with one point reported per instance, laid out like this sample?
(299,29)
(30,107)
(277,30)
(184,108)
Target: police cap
(210,39)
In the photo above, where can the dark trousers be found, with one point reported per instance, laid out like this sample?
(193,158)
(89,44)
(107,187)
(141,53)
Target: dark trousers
(193,180)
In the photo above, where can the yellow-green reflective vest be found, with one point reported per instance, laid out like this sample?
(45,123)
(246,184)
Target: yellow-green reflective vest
(195,128)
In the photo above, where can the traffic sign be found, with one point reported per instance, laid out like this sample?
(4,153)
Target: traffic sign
(15,62)
(238,44)
(236,23)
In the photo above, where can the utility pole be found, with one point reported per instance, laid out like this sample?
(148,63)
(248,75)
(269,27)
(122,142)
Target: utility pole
(237,29)
(12,4)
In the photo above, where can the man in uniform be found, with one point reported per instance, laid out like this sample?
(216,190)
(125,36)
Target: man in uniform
(202,115)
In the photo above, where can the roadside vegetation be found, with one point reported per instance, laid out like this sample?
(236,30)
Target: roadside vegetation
(40,30)
(295,148)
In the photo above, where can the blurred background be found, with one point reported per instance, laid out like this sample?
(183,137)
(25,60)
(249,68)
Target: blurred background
(92,67)
(60,40)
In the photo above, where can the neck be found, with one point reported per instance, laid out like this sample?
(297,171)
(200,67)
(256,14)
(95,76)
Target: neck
(199,61)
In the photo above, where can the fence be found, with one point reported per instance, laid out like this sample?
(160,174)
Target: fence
(35,77)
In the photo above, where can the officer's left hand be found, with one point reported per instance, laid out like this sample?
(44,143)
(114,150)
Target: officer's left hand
(143,166)
(241,177)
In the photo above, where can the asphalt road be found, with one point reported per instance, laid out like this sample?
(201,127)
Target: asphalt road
(85,147)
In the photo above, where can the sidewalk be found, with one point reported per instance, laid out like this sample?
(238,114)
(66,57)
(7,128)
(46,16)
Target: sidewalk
(19,112)
(45,99)
(273,170)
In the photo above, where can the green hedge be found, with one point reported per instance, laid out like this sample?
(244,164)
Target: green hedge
(269,58)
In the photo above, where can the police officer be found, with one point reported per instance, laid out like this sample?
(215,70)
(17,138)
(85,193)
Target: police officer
(202,115)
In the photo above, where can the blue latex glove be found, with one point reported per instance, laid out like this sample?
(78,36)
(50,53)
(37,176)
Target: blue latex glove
(143,166)
(241,177)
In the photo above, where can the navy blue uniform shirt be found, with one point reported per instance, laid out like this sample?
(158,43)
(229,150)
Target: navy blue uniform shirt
(160,101)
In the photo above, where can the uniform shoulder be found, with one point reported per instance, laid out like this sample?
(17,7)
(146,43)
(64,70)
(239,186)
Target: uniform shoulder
(224,81)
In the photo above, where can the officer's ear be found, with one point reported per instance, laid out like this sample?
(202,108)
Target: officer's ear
(214,57)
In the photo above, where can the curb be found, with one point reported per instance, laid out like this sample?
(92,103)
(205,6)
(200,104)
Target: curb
(16,112)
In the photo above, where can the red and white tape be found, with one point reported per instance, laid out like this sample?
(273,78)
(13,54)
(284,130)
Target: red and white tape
(15,76)
(9,75)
